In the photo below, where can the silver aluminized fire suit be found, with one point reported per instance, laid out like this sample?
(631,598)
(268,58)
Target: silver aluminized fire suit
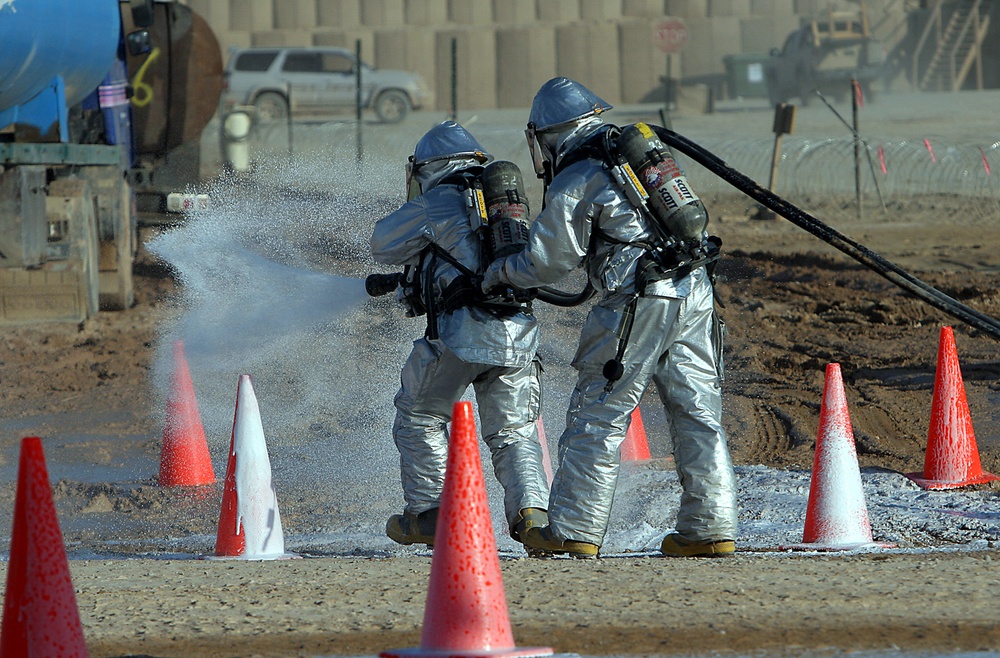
(494,352)
(675,343)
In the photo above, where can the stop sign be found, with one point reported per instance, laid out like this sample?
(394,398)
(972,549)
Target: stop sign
(671,35)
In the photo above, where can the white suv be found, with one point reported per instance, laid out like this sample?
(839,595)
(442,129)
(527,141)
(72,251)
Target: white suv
(316,80)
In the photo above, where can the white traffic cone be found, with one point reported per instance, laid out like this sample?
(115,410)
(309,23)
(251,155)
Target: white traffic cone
(836,515)
(249,524)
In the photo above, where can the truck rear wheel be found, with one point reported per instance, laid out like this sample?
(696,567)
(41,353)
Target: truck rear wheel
(392,106)
(270,106)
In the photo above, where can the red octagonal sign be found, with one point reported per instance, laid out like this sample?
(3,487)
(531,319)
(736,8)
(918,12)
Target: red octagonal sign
(671,35)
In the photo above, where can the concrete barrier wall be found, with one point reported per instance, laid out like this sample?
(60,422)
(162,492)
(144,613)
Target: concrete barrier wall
(476,76)
(588,52)
(526,58)
(606,44)
(406,49)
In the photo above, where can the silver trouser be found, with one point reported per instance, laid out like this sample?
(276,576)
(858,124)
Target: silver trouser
(674,343)
(509,399)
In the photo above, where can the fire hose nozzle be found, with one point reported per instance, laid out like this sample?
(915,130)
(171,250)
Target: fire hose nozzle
(377,285)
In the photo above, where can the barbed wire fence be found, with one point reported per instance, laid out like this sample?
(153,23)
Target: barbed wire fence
(819,175)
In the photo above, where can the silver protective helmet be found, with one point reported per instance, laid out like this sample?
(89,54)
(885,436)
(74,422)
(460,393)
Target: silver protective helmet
(561,105)
(443,150)
(561,100)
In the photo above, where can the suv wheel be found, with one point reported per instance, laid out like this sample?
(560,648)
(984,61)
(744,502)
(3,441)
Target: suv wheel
(270,106)
(392,106)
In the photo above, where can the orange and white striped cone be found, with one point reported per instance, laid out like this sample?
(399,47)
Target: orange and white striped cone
(249,523)
(466,611)
(184,457)
(40,615)
(634,447)
(836,515)
(952,457)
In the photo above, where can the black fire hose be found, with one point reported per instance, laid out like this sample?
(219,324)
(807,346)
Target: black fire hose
(565,299)
(905,280)
(377,285)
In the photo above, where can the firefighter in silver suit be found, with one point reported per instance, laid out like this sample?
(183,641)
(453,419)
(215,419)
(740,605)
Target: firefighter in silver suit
(488,343)
(675,341)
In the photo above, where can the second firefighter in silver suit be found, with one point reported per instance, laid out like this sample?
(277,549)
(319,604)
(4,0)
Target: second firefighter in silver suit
(675,342)
(469,341)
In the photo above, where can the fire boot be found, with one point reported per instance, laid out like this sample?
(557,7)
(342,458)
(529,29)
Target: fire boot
(540,542)
(529,517)
(409,528)
(676,546)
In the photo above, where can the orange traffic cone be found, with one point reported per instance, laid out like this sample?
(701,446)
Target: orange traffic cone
(546,458)
(952,457)
(466,609)
(836,515)
(635,448)
(40,617)
(184,458)
(249,523)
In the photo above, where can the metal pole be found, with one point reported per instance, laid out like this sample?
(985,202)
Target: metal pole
(775,158)
(358,148)
(291,149)
(857,147)
(454,79)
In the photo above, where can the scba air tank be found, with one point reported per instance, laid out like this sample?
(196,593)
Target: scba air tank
(671,200)
(507,212)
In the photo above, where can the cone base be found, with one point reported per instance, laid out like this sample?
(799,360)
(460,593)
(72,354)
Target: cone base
(820,546)
(251,558)
(938,485)
(513,652)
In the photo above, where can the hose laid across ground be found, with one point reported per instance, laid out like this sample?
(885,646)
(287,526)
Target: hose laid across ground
(831,236)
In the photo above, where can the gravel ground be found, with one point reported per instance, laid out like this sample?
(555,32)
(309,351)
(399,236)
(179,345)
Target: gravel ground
(268,284)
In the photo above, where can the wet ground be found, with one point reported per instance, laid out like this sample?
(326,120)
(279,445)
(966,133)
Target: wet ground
(267,285)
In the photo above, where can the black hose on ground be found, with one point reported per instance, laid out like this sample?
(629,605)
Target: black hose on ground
(564,299)
(988,325)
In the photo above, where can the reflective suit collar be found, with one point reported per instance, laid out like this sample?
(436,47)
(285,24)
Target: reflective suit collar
(584,145)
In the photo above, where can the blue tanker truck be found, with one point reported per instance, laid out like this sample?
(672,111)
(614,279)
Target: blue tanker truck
(97,99)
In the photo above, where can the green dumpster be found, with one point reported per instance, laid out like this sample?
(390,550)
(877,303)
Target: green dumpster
(745,75)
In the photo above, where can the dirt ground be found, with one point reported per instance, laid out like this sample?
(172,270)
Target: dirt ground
(792,305)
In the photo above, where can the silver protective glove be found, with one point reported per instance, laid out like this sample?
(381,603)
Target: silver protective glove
(493,278)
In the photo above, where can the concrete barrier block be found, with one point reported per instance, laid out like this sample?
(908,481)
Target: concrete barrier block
(526,57)
(348,39)
(558,11)
(514,12)
(251,15)
(294,14)
(407,49)
(687,8)
(642,64)
(338,13)
(810,9)
(470,12)
(214,12)
(759,34)
(643,8)
(382,13)
(588,53)
(721,8)
(776,8)
(230,39)
(710,40)
(273,38)
(476,86)
(425,12)
(600,10)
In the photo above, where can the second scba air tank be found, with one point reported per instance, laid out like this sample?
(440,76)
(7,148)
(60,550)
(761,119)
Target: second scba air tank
(671,200)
